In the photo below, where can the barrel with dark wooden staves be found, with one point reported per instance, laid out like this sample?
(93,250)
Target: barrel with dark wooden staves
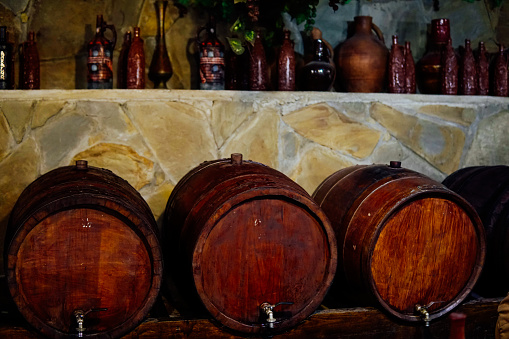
(486,188)
(249,245)
(83,256)
(405,242)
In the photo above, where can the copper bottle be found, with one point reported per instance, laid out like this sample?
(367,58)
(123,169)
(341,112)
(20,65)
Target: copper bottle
(136,62)
(428,68)
(410,86)
(258,69)
(483,77)
(361,61)
(396,67)
(30,68)
(100,57)
(500,85)
(286,65)
(122,61)
(449,70)
(467,71)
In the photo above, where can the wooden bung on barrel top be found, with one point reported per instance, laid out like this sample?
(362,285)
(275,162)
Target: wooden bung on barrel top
(248,244)
(486,188)
(405,241)
(82,254)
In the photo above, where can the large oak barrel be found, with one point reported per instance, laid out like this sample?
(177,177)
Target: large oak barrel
(405,241)
(486,188)
(82,245)
(243,238)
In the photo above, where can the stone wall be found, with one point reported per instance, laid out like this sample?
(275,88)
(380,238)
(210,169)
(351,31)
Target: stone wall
(152,138)
(64,27)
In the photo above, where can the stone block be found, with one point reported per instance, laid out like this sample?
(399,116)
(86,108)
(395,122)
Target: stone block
(328,127)
(44,110)
(491,142)
(178,134)
(21,165)
(6,138)
(315,165)
(121,160)
(256,140)
(460,115)
(441,145)
(18,114)
(227,116)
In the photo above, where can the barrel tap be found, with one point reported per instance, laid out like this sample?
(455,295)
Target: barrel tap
(268,309)
(423,311)
(80,319)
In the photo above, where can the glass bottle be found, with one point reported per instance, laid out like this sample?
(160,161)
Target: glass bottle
(449,70)
(467,71)
(410,86)
(258,69)
(428,68)
(30,64)
(100,57)
(396,69)
(500,85)
(483,78)
(136,62)
(318,74)
(6,60)
(212,68)
(122,61)
(286,64)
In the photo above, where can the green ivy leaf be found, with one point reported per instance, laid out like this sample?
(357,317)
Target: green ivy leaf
(236,45)
(250,36)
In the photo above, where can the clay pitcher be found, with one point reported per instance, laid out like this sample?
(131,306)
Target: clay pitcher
(362,59)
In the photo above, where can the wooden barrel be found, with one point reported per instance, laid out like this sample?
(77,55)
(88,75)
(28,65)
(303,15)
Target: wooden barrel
(405,241)
(243,238)
(82,245)
(486,188)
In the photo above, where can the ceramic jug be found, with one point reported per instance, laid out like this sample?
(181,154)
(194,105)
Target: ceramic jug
(361,60)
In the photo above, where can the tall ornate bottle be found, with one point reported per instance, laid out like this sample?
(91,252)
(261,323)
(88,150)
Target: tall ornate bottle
(160,70)
(29,60)
(500,81)
(136,62)
(100,57)
(428,68)
(122,61)
(318,74)
(212,67)
(6,60)
(483,77)
(467,71)
(286,65)
(258,69)
(449,70)
(410,86)
(396,68)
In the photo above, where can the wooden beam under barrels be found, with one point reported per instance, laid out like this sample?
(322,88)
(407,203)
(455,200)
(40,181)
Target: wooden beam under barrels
(350,323)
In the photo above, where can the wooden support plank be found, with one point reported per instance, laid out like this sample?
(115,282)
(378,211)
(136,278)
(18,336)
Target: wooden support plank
(350,323)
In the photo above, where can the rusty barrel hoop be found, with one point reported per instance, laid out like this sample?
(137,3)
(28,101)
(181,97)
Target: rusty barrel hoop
(238,234)
(80,239)
(400,236)
(486,188)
